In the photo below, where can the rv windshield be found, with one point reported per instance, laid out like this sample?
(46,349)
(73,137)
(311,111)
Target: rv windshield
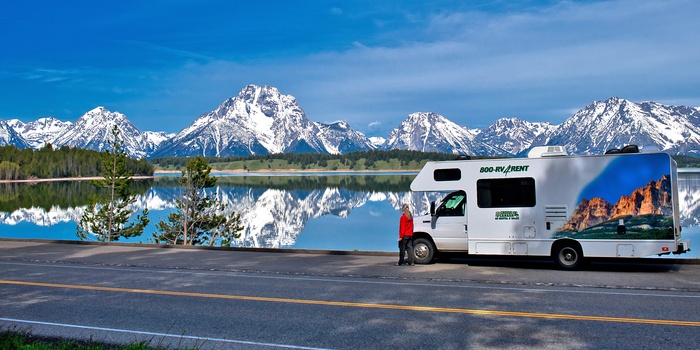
(453,204)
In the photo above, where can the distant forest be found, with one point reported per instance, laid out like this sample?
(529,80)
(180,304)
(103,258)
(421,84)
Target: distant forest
(357,161)
(687,161)
(63,162)
(67,162)
(353,161)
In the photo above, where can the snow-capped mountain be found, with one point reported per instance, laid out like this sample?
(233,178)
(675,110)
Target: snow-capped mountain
(431,132)
(155,138)
(512,135)
(338,138)
(377,142)
(603,125)
(8,136)
(94,129)
(40,131)
(259,120)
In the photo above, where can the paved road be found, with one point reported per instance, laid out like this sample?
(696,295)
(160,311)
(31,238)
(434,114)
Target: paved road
(221,299)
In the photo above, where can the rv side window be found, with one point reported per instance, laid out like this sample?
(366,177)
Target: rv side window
(447,174)
(504,193)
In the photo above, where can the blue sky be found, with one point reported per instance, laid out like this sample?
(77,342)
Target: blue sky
(164,62)
(614,183)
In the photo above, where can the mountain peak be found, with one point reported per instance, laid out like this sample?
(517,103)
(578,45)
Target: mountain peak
(8,136)
(93,130)
(431,132)
(41,131)
(259,120)
(98,109)
(616,122)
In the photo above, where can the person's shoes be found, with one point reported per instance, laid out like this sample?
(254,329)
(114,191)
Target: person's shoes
(398,264)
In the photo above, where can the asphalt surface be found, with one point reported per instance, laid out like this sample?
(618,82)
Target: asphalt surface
(241,298)
(678,274)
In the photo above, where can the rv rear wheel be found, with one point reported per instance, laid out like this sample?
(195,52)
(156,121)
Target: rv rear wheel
(568,255)
(423,250)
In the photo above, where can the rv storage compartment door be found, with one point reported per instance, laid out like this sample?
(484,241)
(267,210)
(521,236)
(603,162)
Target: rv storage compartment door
(625,250)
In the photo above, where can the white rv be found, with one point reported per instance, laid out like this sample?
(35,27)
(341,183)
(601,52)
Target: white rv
(551,204)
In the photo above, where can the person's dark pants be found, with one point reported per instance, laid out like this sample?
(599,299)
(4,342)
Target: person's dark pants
(406,244)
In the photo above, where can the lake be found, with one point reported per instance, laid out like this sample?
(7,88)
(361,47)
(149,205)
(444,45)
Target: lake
(338,211)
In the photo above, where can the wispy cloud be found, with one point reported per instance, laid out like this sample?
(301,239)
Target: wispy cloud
(49,75)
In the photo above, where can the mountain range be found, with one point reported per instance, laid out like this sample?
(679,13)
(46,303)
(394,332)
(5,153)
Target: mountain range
(261,120)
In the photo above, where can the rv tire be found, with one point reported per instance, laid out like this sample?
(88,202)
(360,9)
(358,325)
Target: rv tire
(568,255)
(423,250)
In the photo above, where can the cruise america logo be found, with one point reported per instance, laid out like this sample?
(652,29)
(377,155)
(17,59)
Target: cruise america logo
(504,169)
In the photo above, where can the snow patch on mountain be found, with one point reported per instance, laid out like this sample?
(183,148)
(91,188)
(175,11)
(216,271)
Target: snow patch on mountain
(8,136)
(377,141)
(41,131)
(512,135)
(339,138)
(94,131)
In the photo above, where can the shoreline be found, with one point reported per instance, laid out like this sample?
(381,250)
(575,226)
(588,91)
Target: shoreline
(274,171)
(242,171)
(232,171)
(57,179)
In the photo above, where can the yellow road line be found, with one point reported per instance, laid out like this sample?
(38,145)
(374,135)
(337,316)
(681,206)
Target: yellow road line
(362,305)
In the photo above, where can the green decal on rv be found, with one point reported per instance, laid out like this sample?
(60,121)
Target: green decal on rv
(504,169)
(507,215)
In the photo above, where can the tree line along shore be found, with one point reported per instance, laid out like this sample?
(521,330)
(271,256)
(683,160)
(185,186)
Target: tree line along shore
(76,163)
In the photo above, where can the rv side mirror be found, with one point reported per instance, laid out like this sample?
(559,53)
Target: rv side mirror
(432,208)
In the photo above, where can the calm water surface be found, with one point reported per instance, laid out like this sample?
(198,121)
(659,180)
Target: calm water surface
(305,211)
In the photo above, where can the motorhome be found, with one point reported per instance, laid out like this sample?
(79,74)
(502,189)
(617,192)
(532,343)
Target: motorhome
(620,204)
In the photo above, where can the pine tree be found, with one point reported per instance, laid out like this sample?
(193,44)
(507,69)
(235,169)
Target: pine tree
(199,219)
(108,220)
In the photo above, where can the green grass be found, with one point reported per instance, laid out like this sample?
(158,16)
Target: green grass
(15,340)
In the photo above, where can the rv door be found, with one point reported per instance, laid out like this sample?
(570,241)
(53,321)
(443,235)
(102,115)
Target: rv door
(450,223)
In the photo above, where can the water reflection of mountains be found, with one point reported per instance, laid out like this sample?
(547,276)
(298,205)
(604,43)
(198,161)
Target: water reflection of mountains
(61,194)
(275,208)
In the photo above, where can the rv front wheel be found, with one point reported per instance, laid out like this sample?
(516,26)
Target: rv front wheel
(568,255)
(423,250)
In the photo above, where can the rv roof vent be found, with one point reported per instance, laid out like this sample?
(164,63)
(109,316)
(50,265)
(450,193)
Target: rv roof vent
(626,149)
(630,149)
(547,151)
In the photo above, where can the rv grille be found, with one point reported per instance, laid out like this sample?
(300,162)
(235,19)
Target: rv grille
(555,212)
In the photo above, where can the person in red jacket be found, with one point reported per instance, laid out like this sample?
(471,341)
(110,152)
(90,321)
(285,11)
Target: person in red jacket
(406,236)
